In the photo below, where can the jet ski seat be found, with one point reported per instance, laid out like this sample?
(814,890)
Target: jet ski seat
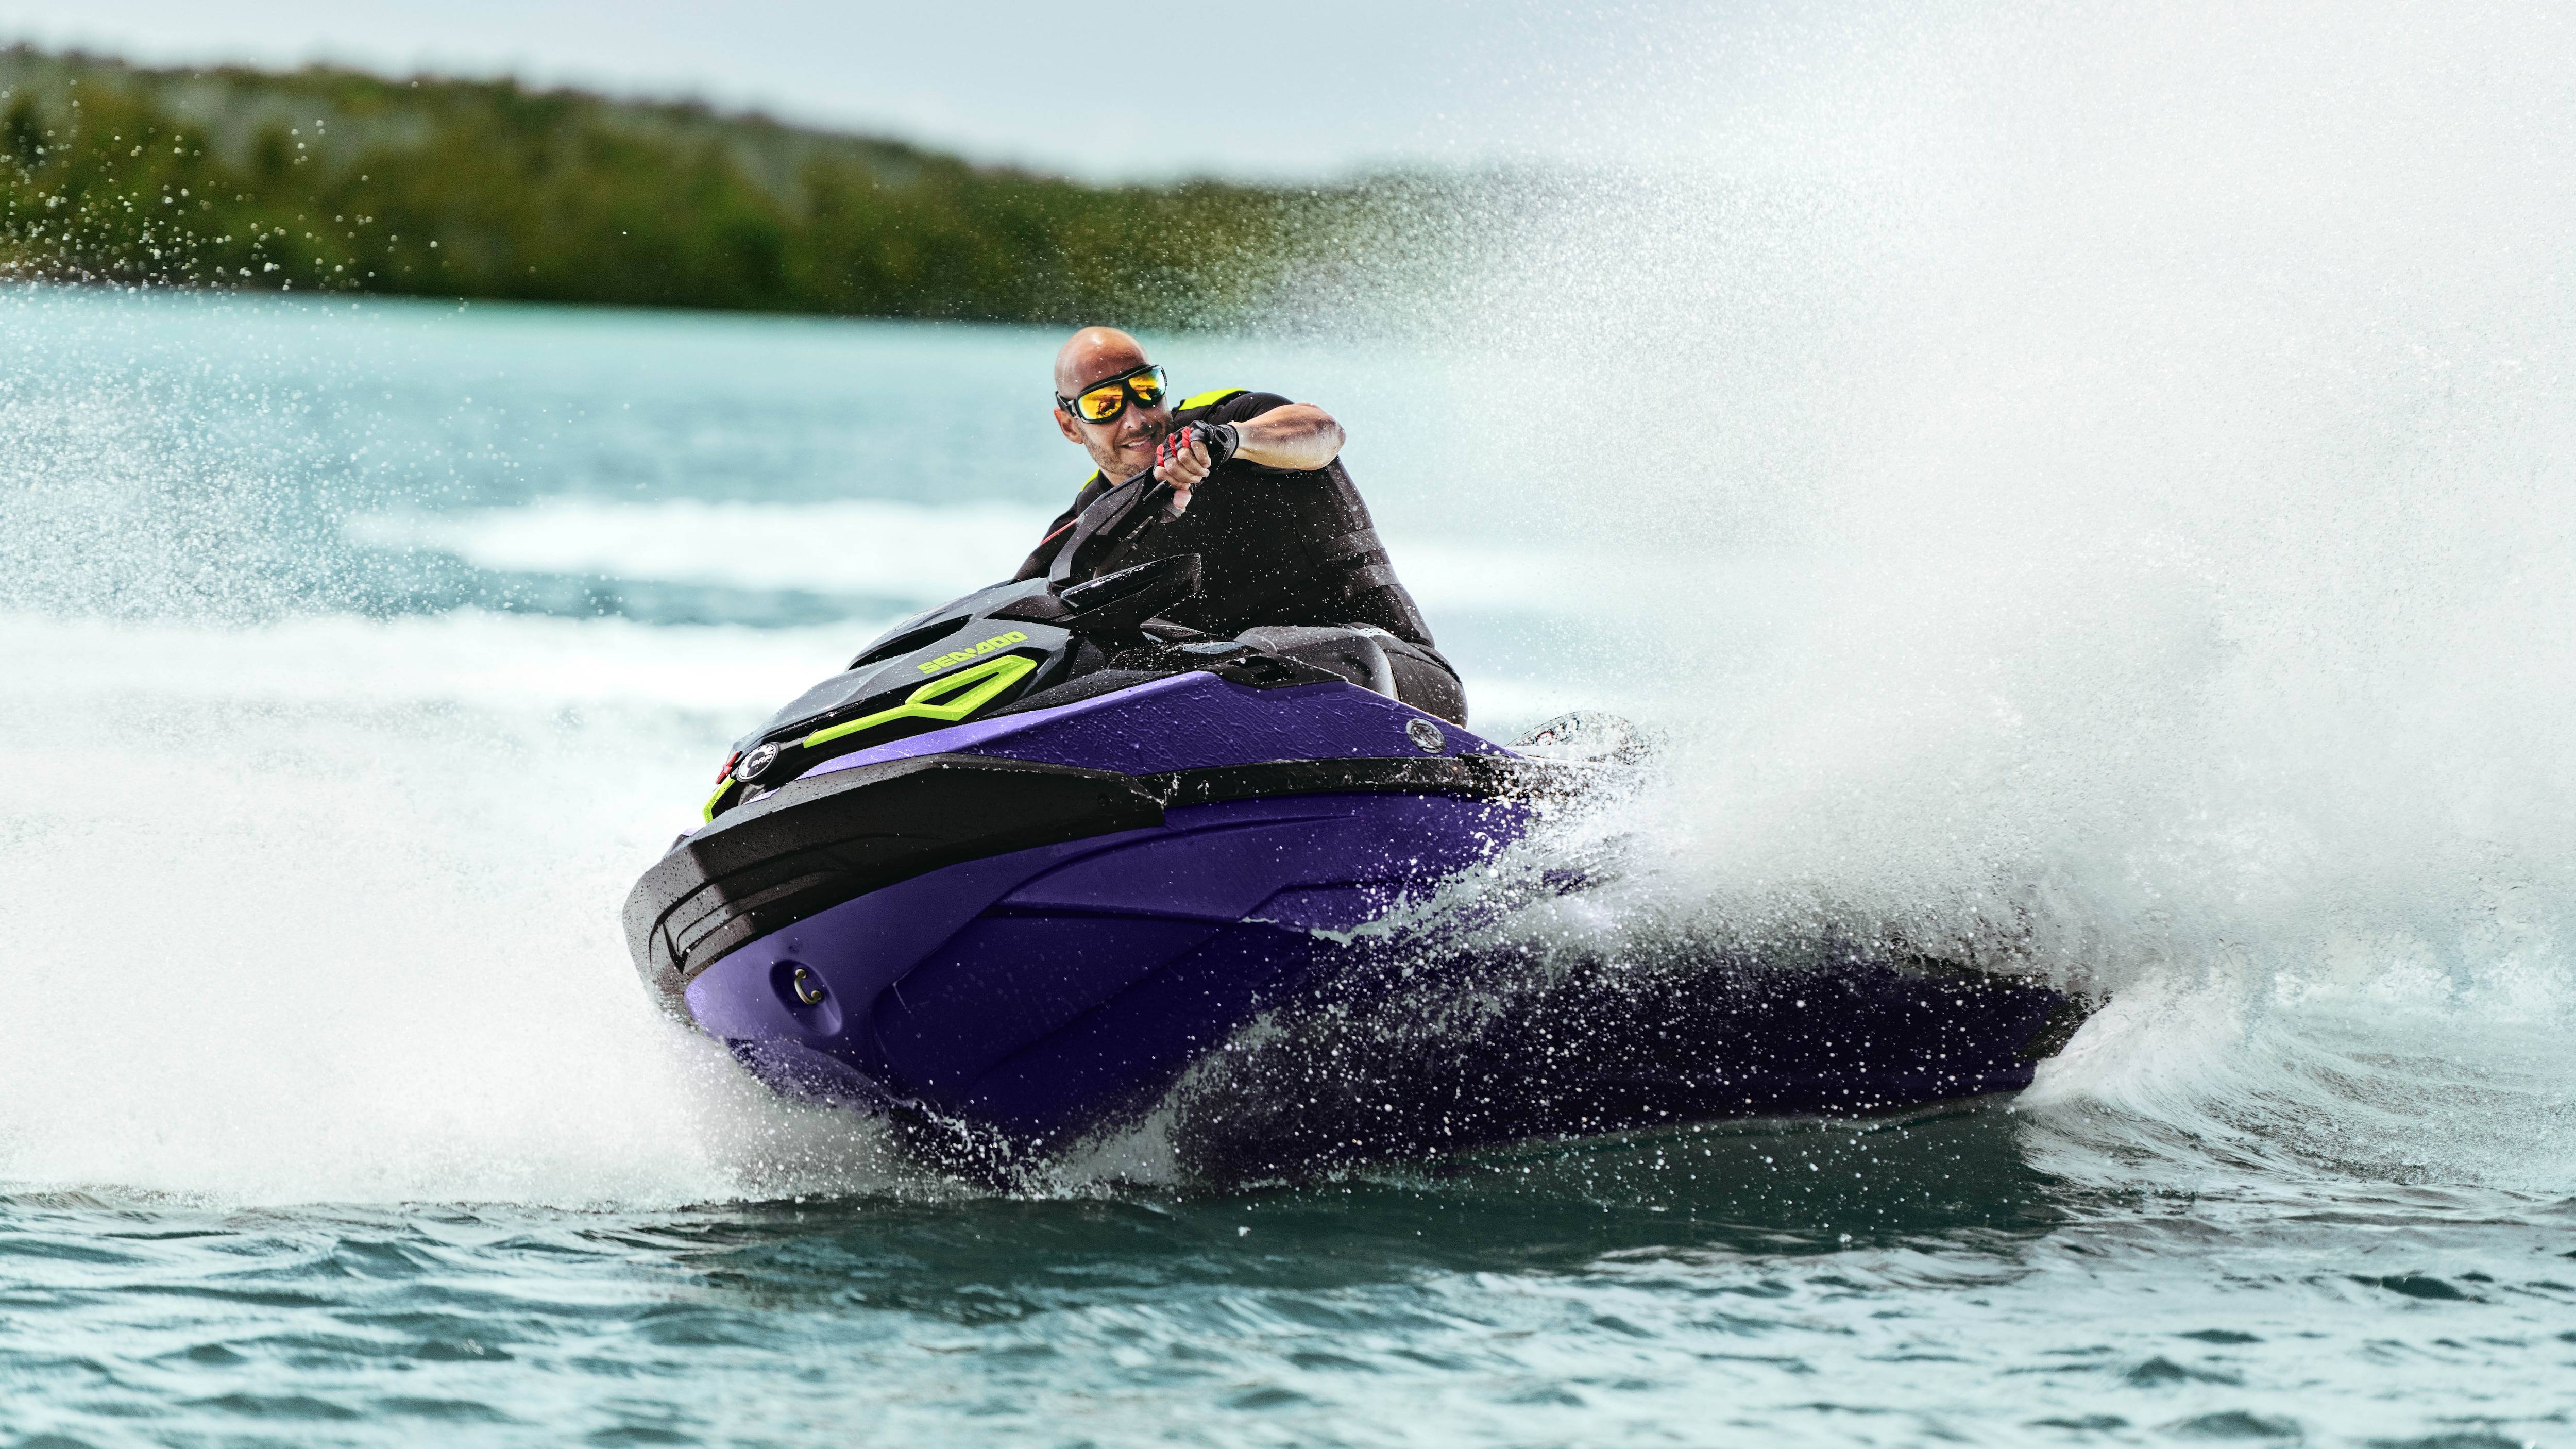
(1371,658)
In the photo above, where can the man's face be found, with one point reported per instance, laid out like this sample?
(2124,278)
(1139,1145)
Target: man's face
(1123,446)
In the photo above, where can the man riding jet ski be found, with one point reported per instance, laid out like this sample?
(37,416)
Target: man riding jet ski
(1039,852)
(1284,542)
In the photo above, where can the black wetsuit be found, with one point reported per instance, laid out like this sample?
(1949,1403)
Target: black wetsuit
(1276,546)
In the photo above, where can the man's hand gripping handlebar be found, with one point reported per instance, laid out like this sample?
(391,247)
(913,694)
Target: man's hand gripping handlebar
(1188,454)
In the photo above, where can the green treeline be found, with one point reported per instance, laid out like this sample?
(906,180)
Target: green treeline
(333,180)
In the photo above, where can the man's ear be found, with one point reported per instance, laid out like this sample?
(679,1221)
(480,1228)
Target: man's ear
(1072,434)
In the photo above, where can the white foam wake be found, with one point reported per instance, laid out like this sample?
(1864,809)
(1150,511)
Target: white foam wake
(2151,426)
(327,910)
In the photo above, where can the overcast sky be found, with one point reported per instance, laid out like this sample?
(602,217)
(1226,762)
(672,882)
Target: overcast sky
(1090,87)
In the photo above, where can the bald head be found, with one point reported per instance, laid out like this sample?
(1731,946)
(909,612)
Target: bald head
(1123,446)
(1093,355)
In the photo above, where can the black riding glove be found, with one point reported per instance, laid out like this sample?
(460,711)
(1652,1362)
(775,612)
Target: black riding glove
(1220,439)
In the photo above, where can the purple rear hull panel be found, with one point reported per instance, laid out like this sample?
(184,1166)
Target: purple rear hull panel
(1043,993)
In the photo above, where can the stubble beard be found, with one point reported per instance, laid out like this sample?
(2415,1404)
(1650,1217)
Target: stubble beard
(1113,464)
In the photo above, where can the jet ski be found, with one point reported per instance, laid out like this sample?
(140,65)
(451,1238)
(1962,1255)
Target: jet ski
(1037,855)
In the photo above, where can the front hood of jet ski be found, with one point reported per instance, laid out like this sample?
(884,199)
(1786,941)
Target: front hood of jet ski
(1095,767)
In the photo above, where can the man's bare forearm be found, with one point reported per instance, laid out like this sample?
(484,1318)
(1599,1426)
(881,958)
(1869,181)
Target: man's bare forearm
(1300,435)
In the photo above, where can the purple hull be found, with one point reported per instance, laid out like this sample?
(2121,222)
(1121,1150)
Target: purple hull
(1031,926)
(1040,990)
